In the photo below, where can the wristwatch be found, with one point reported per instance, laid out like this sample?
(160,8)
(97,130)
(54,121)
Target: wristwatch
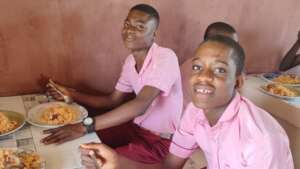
(89,124)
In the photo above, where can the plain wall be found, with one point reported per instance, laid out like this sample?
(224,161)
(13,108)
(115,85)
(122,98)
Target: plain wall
(78,42)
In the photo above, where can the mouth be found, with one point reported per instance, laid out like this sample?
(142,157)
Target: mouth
(203,89)
(129,38)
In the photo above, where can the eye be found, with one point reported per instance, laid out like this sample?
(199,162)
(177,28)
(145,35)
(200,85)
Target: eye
(220,70)
(140,27)
(196,67)
(126,25)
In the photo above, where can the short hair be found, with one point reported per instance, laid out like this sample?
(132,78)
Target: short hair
(148,10)
(237,54)
(220,27)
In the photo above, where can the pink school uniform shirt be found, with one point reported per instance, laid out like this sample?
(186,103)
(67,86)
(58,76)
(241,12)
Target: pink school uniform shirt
(245,137)
(160,70)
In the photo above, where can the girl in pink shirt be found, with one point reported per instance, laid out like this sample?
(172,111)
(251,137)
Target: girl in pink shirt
(232,132)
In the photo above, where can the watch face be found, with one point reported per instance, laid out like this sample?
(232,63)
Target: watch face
(88,121)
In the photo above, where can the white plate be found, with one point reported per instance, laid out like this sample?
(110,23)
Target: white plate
(34,114)
(278,96)
(270,76)
(13,116)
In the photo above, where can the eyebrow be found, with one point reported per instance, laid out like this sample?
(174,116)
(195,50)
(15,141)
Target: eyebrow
(219,61)
(194,59)
(136,20)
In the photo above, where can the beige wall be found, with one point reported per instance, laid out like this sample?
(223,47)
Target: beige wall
(78,42)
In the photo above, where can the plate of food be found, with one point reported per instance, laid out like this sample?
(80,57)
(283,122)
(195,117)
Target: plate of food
(18,158)
(281,91)
(281,78)
(56,114)
(10,122)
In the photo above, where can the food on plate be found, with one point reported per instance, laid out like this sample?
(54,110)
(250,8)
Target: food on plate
(10,158)
(287,79)
(58,115)
(281,90)
(6,124)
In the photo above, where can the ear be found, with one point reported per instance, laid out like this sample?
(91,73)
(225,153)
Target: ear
(155,33)
(240,79)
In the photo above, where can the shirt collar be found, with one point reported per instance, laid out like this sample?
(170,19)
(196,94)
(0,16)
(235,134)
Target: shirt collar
(229,113)
(148,58)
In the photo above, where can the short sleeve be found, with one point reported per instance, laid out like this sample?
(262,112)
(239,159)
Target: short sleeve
(123,83)
(164,73)
(184,142)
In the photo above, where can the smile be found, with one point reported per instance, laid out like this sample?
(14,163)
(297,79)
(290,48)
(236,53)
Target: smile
(204,89)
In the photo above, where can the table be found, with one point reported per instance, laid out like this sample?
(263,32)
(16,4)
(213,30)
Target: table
(64,156)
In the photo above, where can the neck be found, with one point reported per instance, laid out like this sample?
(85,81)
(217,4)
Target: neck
(213,115)
(139,56)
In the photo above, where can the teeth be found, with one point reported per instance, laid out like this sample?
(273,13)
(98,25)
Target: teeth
(204,91)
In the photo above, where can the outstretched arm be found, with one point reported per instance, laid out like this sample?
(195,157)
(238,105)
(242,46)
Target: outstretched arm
(291,59)
(119,115)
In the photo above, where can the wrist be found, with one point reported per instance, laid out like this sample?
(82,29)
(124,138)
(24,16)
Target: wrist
(83,128)
(89,124)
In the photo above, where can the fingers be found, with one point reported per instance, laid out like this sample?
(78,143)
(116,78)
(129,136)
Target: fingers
(101,150)
(89,159)
(96,158)
(58,137)
(52,92)
(52,130)
(43,80)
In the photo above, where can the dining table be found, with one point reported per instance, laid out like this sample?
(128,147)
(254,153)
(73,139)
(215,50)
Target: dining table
(62,156)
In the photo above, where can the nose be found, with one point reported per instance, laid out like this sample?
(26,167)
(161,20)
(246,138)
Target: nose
(205,75)
(128,30)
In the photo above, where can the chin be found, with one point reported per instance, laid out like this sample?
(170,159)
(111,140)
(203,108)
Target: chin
(201,105)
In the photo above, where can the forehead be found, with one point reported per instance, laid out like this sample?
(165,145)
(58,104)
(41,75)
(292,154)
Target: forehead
(213,50)
(139,16)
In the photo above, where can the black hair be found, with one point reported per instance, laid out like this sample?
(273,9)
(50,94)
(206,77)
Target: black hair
(237,54)
(148,10)
(219,27)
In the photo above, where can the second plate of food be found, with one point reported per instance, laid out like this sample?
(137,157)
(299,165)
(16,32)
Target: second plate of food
(281,78)
(56,114)
(281,91)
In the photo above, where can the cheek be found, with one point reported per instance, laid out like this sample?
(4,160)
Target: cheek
(226,88)
(192,80)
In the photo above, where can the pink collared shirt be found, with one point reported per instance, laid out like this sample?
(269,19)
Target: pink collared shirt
(160,70)
(245,137)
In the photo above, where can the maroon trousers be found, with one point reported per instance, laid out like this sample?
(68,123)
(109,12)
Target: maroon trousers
(136,143)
